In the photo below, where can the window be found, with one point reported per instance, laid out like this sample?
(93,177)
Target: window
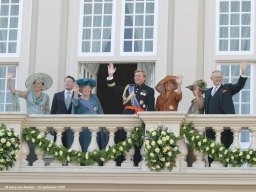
(5,94)
(139,27)
(96,27)
(234,30)
(10,17)
(243,99)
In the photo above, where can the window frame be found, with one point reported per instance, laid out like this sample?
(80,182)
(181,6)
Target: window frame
(143,53)
(80,32)
(217,30)
(19,29)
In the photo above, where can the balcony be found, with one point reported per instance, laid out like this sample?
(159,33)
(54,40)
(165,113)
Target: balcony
(127,177)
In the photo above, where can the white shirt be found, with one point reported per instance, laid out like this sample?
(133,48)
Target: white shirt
(70,93)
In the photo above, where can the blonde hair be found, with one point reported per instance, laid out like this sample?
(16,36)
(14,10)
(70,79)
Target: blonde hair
(140,70)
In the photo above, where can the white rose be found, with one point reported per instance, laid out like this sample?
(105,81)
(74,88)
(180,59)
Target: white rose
(56,153)
(167,164)
(129,141)
(153,143)
(40,143)
(158,167)
(248,156)
(9,134)
(193,138)
(68,158)
(204,141)
(241,153)
(148,147)
(199,143)
(212,145)
(170,154)
(163,133)
(8,144)
(39,136)
(220,155)
(33,140)
(162,159)
(3,140)
(167,137)
(113,150)
(159,142)
(157,150)
(171,141)
(69,150)
(152,155)
(154,133)
(121,148)
(232,157)
(163,139)
(102,159)
(152,129)
(61,152)
(15,134)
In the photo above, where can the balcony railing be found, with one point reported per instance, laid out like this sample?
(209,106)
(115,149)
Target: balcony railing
(127,174)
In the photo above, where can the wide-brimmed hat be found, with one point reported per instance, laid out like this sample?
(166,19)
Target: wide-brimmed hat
(86,81)
(201,84)
(43,77)
(160,86)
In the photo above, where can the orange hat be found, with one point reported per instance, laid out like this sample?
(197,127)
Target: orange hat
(160,86)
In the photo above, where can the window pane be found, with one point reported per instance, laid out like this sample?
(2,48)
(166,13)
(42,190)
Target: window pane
(235,6)
(138,46)
(87,34)
(138,33)
(235,70)
(88,9)
(14,22)
(127,46)
(225,70)
(139,8)
(245,96)
(224,7)
(246,6)
(129,8)
(12,47)
(148,46)
(86,46)
(15,1)
(234,19)
(234,32)
(96,46)
(3,22)
(87,22)
(236,98)
(106,33)
(224,19)
(8,97)
(2,73)
(247,84)
(2,47)
(223,45)
(234,80)
(150,20)
(8,107)
(96,34)
(107,22)
(149,33)
(2,94)
(234,45)
(13,35)
(97,8)
(4,10)
(108,8)
(2,84)
(245,109)
(246,19)
(3,35)
(128,21)
(150,8)
(128,34)
(97,21)
(15,10)
(106,46)
(246,32)
(1,107)
(223,32)
(245,45)
(225,80)
(139,20)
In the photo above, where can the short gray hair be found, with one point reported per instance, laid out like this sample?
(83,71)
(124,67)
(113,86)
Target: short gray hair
(215,72)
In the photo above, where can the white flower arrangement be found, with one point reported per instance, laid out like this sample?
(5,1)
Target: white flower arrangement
(9,145)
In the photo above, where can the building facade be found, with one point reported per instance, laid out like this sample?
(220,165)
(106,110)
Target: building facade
(163,37)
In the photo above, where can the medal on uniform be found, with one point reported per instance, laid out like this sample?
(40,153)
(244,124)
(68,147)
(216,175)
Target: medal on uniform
(171,107)
(144,106)
(141,102)
(95,108)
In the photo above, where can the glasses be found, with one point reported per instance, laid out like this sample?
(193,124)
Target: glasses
(217,77)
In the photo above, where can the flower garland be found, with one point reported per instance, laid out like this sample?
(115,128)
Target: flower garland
(89,158)
(9,145)
(235,157)
(161,148)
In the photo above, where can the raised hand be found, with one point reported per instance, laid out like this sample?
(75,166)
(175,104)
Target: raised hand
(11,74)
(76,88)
(243,67)
(111,69)
(196,90)
(179,79)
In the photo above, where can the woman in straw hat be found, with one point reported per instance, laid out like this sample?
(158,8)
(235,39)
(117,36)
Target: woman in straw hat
(88,103)
(169,99)
(197,104)
(37,101)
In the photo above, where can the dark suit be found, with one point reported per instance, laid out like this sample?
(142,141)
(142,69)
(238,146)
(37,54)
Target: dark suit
(59,107)
(221,103)
(146,99)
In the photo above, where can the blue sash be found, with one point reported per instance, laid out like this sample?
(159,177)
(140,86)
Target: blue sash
(88,105)
(133,99)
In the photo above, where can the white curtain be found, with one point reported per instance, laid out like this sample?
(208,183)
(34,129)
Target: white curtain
(149,69)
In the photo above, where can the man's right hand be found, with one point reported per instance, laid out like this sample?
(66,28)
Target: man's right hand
(111,69)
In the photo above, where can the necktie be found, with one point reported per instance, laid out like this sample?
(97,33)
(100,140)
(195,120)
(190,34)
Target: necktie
(214,90)
(68,100)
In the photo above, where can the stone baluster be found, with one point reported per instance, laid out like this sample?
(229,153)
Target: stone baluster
(40,154)
(218,131)
(236,131)
(58,142)
(76,144)
(128,156)
(24,151)
(183,152)
(111,142)
(93,144)
(253,141)
(199,163)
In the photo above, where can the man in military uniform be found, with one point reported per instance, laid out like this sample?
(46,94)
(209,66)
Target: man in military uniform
(136,97)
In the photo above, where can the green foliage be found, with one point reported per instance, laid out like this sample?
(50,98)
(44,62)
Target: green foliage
(217,151)
(9,146)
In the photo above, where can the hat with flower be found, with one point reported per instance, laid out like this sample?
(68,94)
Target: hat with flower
(201,84)
(43,77)
(86,81)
